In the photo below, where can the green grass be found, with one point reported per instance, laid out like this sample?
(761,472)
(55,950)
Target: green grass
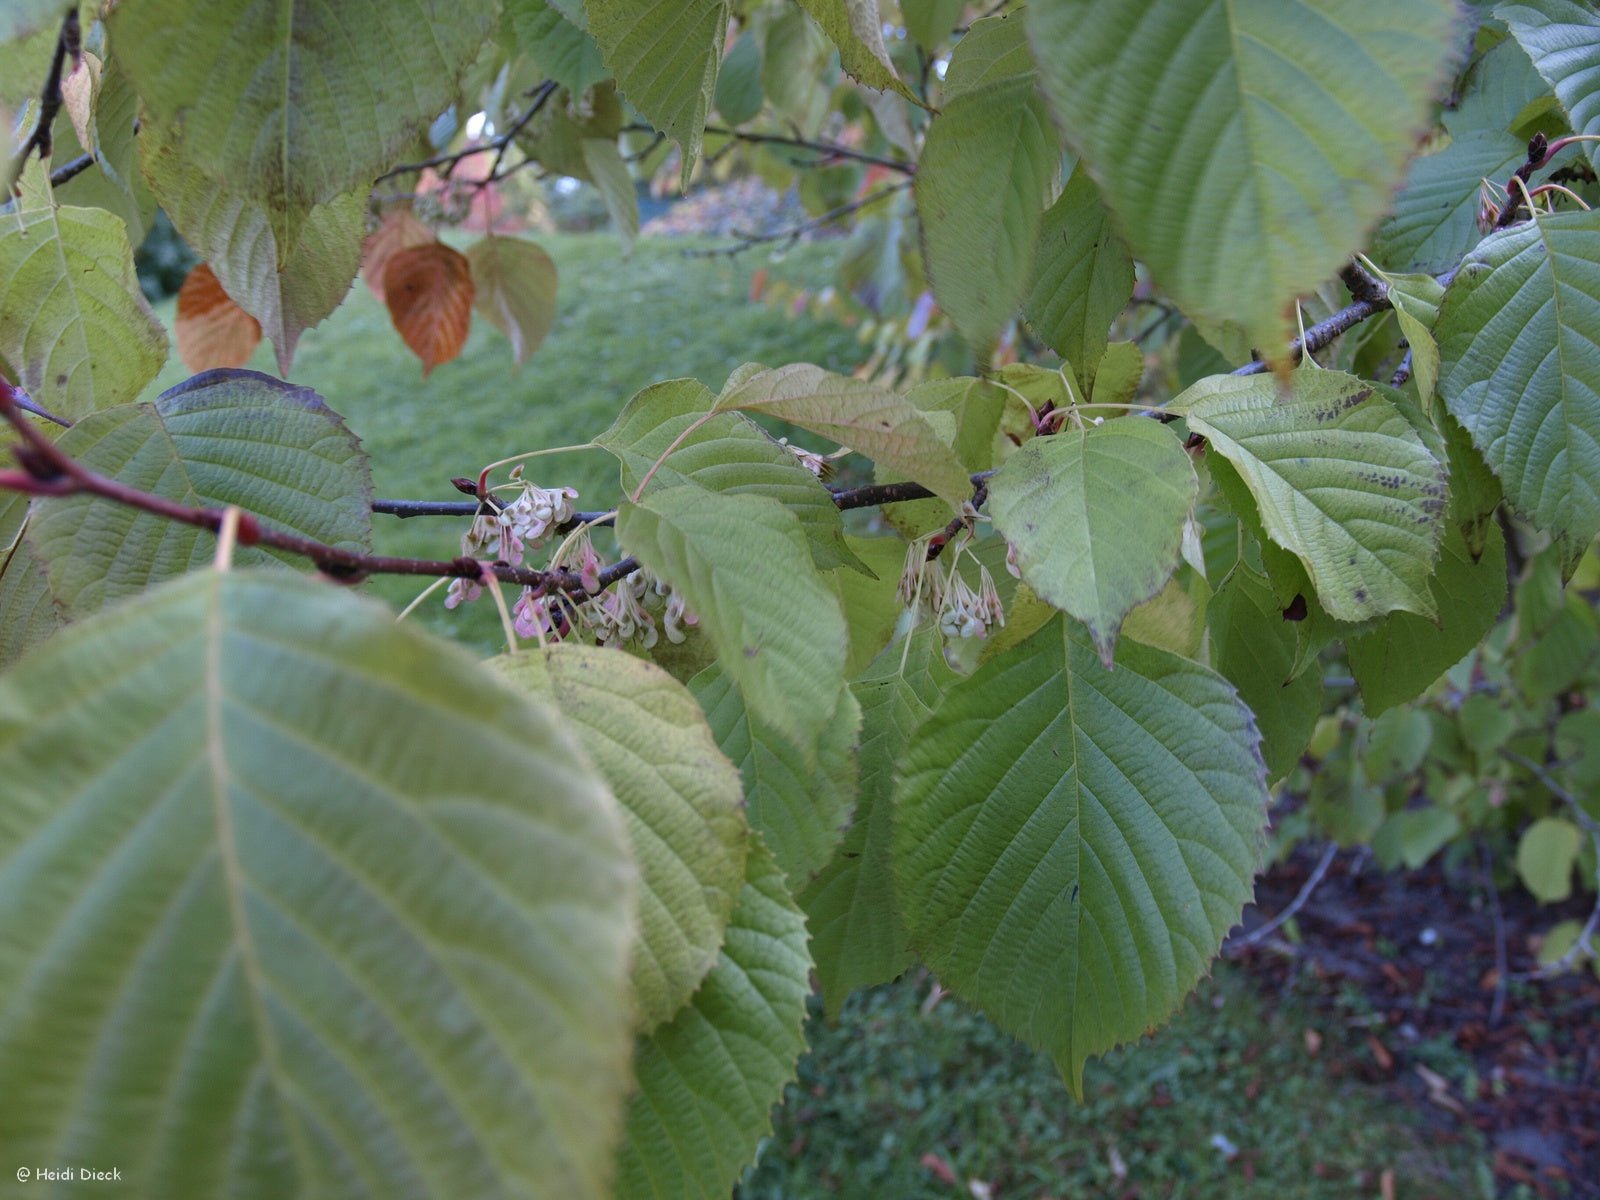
(621,324)
(891,1084)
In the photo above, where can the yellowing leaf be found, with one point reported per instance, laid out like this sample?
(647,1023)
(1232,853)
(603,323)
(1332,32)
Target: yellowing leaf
(516,291)
(212,331)
(429,292)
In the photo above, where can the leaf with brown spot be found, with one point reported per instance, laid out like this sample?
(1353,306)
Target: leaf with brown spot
(211,329)
(399,230)
(429,292)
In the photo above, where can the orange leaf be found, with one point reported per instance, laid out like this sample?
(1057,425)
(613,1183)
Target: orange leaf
(399,230)
(212,330)
(429,292)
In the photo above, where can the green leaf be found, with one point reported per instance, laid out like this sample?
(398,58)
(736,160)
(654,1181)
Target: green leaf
(295,105)
(797,70)
(608,172)
(562,50)
(114,182)
(680,800)
(1546,854)
(27,614)
(994,50)
(708,1080)
(223,437)
(72,318)
(741,564)
(856,27)
(1502,83)
(1063,504)
(1254,648)
(728,452)
(1475,491)
(1246,146)
(1413,836)
(368,910)
(885,427)
(930,21)
(1562,37)
(515,289)
(799,801)
(1416,300)
(1435,217)
(664,54)
(1084,276)
(739,95)
(1121,371)
(871,602)
(858,936)
(984,178)
(1517,335)
(1405,654)
(1071,843)
(287,285)
(1340,478)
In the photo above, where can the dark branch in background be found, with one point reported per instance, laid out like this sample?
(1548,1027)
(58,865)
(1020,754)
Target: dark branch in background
(827,152)
(796,232)
(68,44)
(1402,372)
(1363,284)
(499,143)
(1325,332)
(71,169)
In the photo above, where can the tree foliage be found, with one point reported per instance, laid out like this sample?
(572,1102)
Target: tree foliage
(1225,458)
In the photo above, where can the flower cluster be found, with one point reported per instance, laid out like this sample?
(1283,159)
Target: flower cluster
(926,586)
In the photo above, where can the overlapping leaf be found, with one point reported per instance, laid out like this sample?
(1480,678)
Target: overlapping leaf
(72,319)
(679,796)
(1071,843)
(728,452)
(1562,37)
(1063,503)
(856,27)
(799,803)
(225,437)
(1435,217)
(1406,653)
(664,54)
(355,896)
(1084,276)
(983,180)
(885,427)
(858,935)
(1340,479)
(562,49)
(294,105)
(1243,153)
(429,291)
(399,230)
(708,1080)
(211,330)
(741,564)
(1519,340)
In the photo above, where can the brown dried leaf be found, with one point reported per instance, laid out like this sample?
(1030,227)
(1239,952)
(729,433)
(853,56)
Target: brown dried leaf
(212,330)
(429,292)
(399,230)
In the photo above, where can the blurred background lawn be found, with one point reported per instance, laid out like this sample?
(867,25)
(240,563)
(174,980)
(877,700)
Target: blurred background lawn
(900,1100)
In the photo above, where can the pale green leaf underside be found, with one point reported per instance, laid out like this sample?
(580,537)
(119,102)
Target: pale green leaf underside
(1083,277)
(1340,478)
(223,437)
(1071,843)
(799,810)
(560,48)
(1247,146)
(1562,37)
(295,102)
(728,453)
(741,564)
(1435,218)
(1519,342)
(1096,516)
(858,936)
(708,1080)
(1405,654)
(983,181)
(680,800)
(514,287)
(73,323)
(664,54)
(856,27)
(368,911)
(879,424)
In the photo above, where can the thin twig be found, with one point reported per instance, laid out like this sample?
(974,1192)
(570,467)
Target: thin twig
(1260,934)
(498,143)
(827,152)
(795,233)
(1402,372)
(1584,946)
(71,169)
(1497,1006)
